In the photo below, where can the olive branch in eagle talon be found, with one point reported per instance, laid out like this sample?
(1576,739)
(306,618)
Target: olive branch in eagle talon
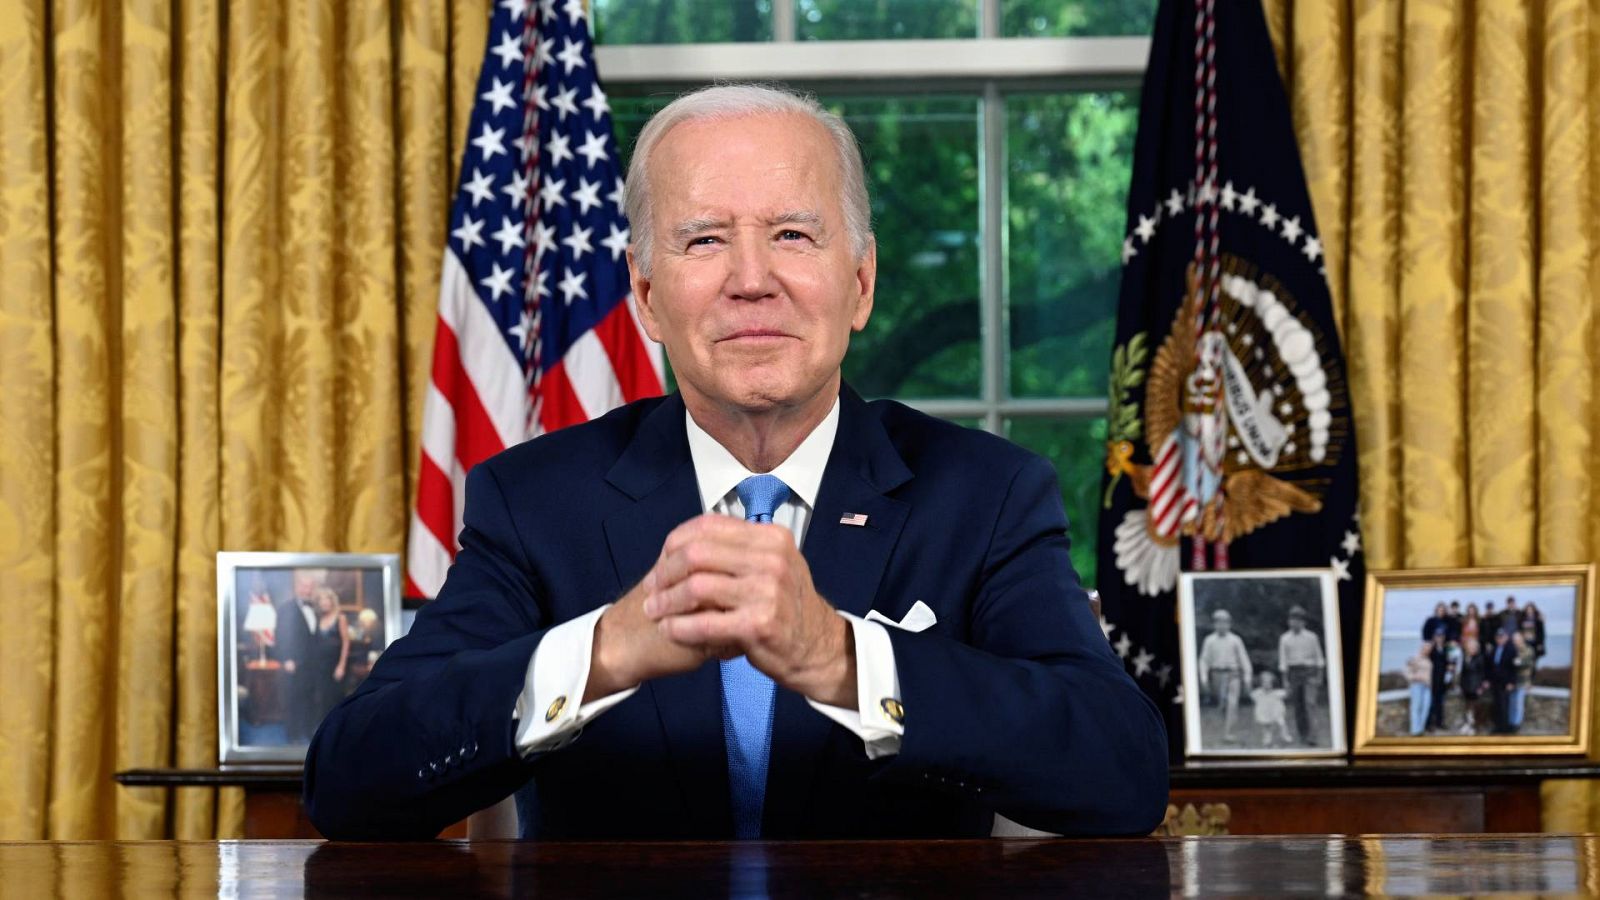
(1123,423)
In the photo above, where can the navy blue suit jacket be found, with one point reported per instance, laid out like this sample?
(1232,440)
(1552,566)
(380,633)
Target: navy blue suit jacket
(1014,701)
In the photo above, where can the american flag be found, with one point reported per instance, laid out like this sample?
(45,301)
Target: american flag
(536,325)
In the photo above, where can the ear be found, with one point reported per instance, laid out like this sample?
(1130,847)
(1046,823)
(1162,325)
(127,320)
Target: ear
(642,298)
(866,284)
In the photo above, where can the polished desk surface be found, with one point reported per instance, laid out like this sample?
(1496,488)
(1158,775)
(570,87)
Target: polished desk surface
(1552,865)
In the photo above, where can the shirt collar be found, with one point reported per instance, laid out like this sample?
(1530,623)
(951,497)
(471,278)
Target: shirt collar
(718,472)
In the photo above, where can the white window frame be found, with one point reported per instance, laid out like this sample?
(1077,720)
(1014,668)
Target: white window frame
(988,65)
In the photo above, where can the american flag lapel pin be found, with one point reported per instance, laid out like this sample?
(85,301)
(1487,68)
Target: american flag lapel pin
(856,519)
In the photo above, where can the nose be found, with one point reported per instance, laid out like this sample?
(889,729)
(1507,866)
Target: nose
(750,275)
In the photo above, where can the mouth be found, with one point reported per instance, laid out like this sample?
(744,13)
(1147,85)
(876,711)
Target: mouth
(755,336)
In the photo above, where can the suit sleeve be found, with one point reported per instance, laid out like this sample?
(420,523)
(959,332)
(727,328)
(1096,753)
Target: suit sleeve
(1036,718)
(428,738)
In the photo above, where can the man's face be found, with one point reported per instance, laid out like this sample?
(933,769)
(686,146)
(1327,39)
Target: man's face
(306,584)
(1297,625)
(755,289)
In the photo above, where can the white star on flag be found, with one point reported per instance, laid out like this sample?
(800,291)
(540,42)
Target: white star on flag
(509,235)
(1141,663)
(499,282)
(509,50)
(1351,543)
(587,195)
(490,141)
(544,239)
(1174,203)
(1146,229)
(1248,202)
(596,104)
(517,190)
(1341,568)
(566,102)
(500,95)
(480,186)
(572,287)
(553,194)
(593,150)
(571,55)
(1313,248)
(469,233)
(1123,645)
(617,242)
(559,147)
(1292,230)
(578,242)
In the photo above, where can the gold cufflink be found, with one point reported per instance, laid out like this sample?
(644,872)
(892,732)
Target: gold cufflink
(555,709)
(893,709)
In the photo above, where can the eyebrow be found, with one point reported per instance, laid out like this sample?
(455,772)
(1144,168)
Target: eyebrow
(691,227)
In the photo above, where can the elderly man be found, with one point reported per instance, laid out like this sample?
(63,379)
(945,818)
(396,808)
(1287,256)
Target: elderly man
(761,607)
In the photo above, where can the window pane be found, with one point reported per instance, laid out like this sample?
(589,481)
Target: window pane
(1068,163)
(922,172)
(1077,447)
(1066,18)
(681,21)
(843,20)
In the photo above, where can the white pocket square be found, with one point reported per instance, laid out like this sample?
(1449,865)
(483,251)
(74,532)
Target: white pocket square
(918,618)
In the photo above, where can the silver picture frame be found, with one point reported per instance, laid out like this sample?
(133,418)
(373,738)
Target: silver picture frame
(271,683)
(1268,711)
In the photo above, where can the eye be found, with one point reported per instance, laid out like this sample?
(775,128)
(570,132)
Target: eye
(702,241)
(789,234)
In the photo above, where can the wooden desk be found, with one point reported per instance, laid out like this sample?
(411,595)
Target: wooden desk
(1385,796)
(1011,868)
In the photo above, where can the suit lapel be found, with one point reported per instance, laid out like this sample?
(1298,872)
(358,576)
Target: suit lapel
(657,472)
(847,565)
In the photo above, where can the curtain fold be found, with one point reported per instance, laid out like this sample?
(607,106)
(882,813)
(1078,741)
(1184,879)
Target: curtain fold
(220,232)
(1453,165)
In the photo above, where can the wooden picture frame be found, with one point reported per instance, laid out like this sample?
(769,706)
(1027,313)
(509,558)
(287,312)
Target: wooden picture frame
(272,691)
(1293,712)
(1400,714)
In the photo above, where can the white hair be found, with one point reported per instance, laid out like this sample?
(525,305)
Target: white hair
(734,101)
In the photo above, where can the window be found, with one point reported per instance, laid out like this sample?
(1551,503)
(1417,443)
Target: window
(998,139)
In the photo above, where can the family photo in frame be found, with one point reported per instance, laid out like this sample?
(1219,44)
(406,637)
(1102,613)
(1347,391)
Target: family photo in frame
(1468,661)
(1262,671)
(297,633)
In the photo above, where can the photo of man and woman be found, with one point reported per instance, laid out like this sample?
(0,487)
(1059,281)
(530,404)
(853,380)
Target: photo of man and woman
(298,639)
(1472,661)
(1258,677)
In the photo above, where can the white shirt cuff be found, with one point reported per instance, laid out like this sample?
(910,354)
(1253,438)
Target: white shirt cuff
(550,711)
(879,720)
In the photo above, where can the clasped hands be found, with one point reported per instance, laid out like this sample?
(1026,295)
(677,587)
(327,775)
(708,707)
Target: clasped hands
(723,587)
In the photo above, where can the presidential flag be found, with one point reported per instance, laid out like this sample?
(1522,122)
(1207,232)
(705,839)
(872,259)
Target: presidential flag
(1230,443)
(536,325)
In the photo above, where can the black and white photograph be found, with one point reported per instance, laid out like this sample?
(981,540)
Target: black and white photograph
(297,633)
(1472,660)
(1261,663)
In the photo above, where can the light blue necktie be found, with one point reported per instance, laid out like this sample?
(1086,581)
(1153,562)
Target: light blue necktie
(747,693)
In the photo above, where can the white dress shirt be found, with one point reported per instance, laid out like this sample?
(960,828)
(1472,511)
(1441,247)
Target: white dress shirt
(560,665)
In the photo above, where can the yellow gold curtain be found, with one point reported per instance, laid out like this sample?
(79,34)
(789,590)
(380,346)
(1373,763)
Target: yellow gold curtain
(1454,163)
(220,232)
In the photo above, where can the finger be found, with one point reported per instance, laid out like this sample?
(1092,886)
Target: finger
(715,555)
(708,526)
(723,629)
(697,591)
